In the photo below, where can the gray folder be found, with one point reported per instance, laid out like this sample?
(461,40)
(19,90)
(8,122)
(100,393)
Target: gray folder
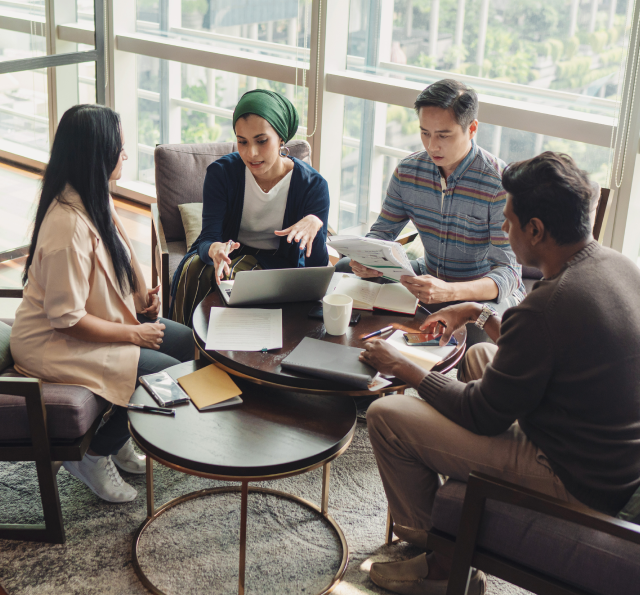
(331,361)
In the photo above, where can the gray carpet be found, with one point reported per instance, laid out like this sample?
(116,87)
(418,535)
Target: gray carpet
(193,548)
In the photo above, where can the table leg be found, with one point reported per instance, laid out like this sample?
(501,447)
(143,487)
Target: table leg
(150,504)
(388,534)
(324,505)
(243,535)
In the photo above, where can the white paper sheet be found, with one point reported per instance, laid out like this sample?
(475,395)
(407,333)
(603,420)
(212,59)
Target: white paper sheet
(387,257)
(244,329)
(426,357)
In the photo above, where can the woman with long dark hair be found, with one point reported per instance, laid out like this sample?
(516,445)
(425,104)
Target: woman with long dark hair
(87,317)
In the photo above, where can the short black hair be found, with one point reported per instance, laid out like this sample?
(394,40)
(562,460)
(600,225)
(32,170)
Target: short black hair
(552,188)
(453,95)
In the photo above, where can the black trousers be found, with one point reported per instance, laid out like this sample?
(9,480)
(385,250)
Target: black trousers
(474,334)
(177,346)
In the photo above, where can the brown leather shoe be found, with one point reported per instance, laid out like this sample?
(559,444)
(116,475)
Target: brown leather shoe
(410,578)
(413,536)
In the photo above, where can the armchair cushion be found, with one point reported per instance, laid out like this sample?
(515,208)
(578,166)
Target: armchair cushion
(71,410)
(191,215)
(569,552)
(5,353)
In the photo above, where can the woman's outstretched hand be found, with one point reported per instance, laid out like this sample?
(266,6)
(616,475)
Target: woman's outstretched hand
(303,232)
(219,254)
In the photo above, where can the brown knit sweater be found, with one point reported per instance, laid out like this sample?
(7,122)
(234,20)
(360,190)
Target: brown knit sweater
(568,370)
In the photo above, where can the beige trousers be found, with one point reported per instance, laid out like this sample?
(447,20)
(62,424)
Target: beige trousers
(413,443)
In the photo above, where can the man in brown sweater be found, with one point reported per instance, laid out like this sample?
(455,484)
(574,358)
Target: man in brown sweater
(554,407)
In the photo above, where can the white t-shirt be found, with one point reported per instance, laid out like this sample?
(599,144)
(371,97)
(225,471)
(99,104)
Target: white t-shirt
(263,212)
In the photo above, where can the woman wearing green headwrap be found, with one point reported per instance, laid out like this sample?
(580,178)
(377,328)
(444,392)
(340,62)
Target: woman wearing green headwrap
(266,208)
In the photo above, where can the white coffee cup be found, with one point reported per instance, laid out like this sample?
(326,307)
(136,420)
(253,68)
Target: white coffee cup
(336,312)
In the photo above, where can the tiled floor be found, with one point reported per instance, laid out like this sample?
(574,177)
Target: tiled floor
(18,198)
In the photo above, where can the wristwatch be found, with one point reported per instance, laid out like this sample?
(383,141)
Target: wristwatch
(487,312)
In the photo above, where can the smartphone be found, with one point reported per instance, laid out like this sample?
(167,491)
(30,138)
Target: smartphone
(164,389)
(316,312)
(418,339)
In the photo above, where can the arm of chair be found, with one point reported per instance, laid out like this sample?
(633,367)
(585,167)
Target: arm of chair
(159,259)
(407,238)
(40,451)
(10,292)
(481,488)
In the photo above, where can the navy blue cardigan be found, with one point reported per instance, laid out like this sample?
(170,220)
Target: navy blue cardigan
(223,201)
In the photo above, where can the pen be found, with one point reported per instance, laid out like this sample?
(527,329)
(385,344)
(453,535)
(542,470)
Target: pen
(149,409)
(227,248)
(386,329)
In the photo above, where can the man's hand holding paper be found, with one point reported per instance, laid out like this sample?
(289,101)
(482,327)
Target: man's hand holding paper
(428,289)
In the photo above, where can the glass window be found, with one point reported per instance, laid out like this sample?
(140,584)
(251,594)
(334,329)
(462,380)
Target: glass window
(24,116)
(521,49)
(363,188)
(200,103)
(272,28)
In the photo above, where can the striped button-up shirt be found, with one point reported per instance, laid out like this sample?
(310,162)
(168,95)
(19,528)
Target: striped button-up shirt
(459,220)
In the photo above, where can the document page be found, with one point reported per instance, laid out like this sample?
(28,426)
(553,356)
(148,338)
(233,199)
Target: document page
(387,257)
(363,293)
(424,356)
(246,329)
(397,298)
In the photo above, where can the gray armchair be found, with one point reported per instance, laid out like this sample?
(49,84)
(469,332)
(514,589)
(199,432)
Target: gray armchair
(537,542)
(44,423)
(180,172)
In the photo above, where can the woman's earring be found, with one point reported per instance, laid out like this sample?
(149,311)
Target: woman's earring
(284,151)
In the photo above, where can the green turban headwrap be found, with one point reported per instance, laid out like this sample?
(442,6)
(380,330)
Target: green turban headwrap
(273,107)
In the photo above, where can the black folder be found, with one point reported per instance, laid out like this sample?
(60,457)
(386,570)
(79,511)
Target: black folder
(331,361)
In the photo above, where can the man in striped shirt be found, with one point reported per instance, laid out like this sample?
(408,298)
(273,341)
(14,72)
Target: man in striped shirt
(452,192)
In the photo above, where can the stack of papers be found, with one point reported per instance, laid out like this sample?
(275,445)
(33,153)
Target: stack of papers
(387,257)
(246,329)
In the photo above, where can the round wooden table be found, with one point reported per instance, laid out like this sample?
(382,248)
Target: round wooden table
(272,435)
(265,369)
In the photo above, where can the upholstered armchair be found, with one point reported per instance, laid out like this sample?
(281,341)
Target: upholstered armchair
(44,423)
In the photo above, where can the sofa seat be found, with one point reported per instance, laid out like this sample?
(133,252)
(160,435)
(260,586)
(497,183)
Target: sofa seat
(574,554)
(71,411)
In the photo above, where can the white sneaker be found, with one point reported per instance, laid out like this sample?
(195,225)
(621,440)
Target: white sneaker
(101,476)
(129,460)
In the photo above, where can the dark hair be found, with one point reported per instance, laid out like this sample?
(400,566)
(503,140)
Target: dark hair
(84,154)
(453,95)
(552,188)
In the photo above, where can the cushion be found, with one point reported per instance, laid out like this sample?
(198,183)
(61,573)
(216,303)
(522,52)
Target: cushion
(70,411)
(191,215)
(180,172)
(6,360)
(571,553)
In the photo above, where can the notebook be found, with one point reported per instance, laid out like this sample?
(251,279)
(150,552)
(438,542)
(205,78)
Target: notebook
(331,361)
(367,295)
(424,356)
(211,388)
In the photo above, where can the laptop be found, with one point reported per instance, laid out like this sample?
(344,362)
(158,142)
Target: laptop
(276,286)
